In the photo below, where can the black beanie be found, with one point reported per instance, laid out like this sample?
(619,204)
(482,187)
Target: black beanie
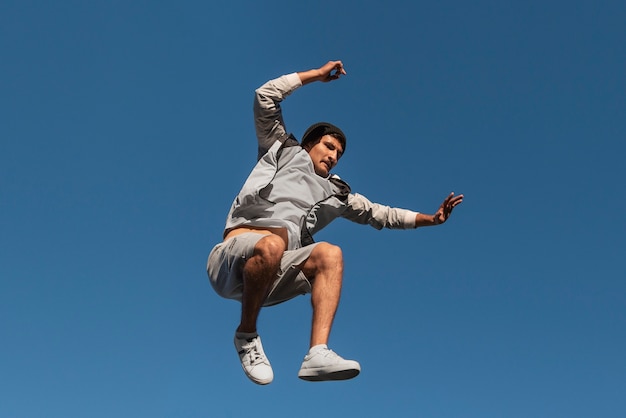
(318,130)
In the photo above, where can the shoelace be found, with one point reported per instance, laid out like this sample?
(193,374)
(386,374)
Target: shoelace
(328,353)
(252,352)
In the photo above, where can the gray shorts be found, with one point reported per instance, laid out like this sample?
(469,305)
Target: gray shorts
(225,269)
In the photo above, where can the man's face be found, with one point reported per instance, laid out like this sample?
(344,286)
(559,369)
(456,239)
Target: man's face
(325,154)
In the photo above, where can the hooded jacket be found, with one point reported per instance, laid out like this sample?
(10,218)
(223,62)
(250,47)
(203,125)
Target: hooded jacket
(283,190)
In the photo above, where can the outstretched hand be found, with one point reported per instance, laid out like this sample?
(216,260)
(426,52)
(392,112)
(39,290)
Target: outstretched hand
(446,207)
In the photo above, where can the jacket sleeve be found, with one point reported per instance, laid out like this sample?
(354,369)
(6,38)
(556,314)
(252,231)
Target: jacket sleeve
(359,209)
(268,118)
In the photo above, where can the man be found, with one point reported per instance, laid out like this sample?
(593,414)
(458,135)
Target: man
(268,254)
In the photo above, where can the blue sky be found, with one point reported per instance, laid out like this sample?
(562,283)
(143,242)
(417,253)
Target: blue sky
(126,131)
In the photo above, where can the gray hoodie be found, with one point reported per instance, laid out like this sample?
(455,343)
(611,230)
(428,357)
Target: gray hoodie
(283,190)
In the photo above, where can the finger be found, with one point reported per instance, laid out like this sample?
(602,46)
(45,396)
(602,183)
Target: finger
(458,199)
(453,204)
(339,71)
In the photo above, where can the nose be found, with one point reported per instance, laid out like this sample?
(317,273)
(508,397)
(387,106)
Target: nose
(333,157)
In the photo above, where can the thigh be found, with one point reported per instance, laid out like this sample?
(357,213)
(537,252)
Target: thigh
(291,280)
(226,262)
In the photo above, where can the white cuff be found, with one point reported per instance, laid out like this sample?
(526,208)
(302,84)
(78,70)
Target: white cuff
(410,219)
(294,81)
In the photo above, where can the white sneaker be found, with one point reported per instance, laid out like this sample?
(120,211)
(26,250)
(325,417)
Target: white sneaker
(324,364)
(253,360)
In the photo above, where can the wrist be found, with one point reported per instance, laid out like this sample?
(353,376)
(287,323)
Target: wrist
(422,219)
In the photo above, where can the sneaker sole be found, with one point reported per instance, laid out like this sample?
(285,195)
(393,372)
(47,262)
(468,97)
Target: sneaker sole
(313,375)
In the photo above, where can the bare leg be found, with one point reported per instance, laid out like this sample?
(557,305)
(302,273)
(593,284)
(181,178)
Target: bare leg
(325,267)
(258,275)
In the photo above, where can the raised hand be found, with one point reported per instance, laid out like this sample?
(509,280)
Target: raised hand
(445,210)
(330,71)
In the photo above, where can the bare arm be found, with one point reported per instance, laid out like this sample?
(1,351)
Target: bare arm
(330,71)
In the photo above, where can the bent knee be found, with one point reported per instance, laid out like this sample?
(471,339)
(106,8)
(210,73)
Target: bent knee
(270,247)
(326,253)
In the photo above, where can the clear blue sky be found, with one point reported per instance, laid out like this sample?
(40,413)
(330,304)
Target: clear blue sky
(126,130)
